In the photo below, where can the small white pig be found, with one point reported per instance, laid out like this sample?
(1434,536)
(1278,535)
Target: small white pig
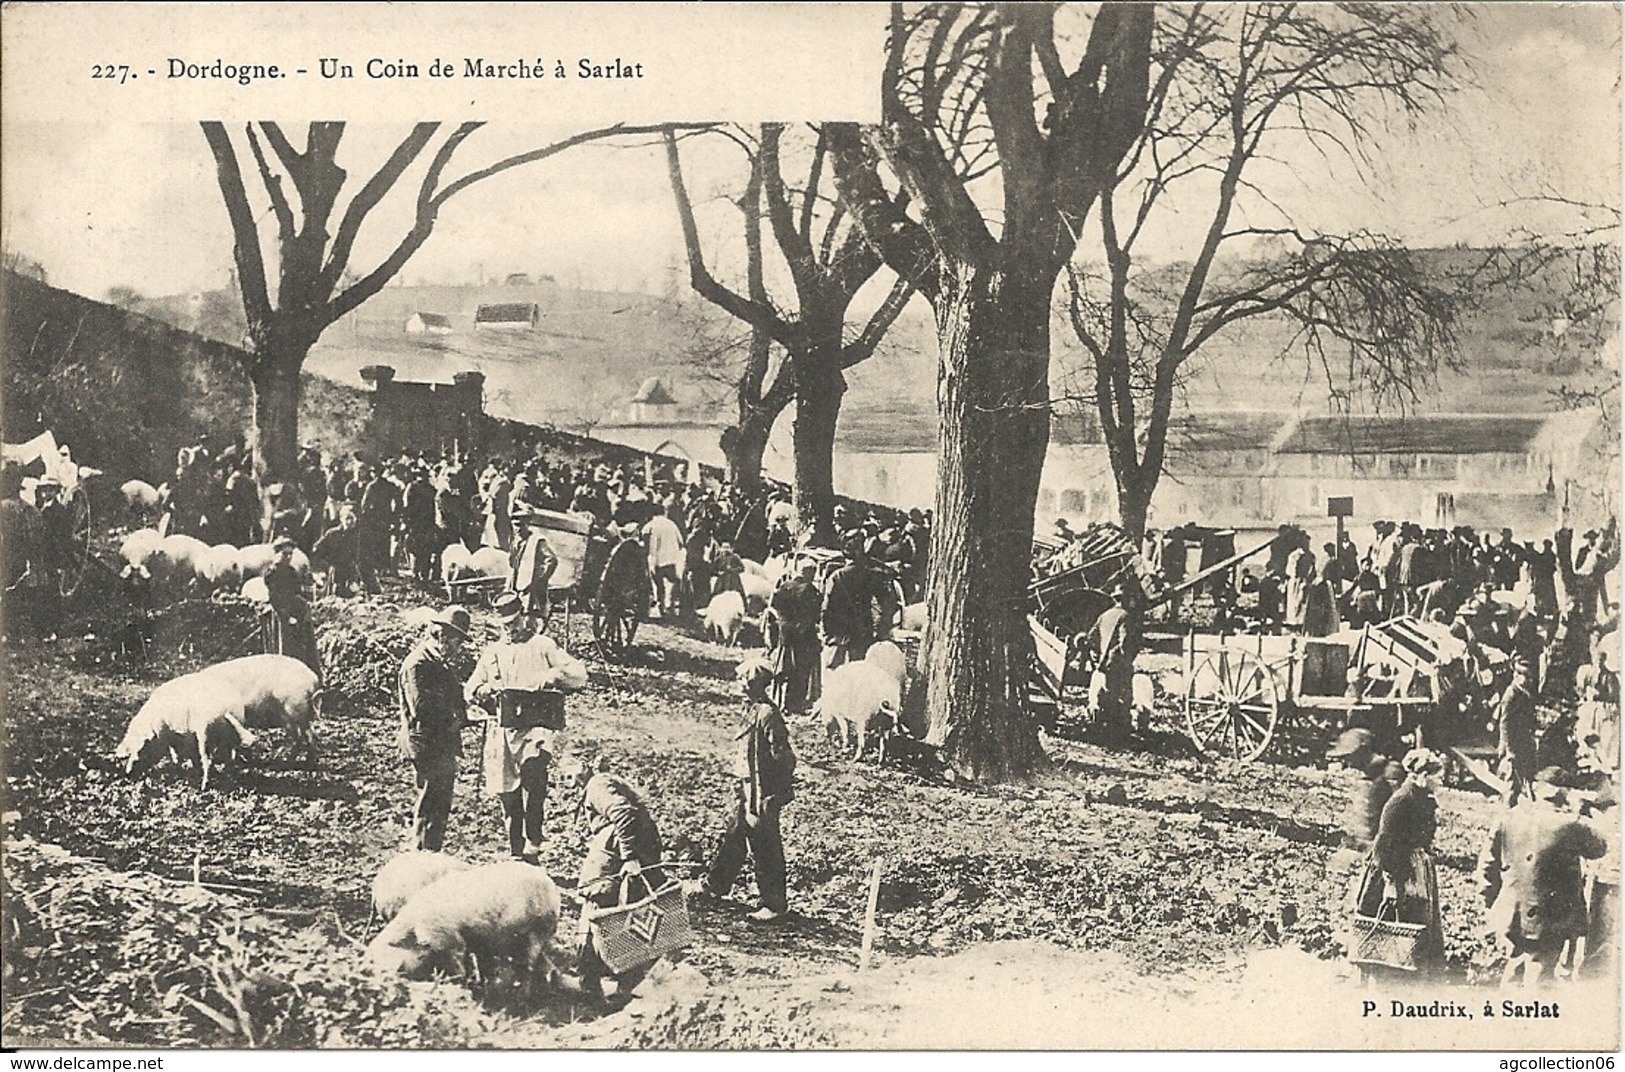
(502,911)
(723,617)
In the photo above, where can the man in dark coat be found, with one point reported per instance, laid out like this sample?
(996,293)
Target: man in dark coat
(1369,795)
(625,588)
(764,770)
(433,714)
(423,538)
(1531,876)
(792,637)
(1115,638)
(1517,726)
(313,480)
(340,550)
(242,503)
(851,608)
(292,631)
(727,571)
(697,563)
(375,519)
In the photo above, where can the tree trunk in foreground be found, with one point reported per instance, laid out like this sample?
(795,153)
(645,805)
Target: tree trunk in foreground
(993,394)
(820,388)
(276,419)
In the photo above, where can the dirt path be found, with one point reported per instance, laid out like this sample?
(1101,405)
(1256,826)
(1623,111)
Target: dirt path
(1144,871)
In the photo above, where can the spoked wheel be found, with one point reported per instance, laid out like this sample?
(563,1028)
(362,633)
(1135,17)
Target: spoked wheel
(1231,706)
(76,557)
(614,629)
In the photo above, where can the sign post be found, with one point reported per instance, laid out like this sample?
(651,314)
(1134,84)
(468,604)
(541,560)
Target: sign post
(1339,506)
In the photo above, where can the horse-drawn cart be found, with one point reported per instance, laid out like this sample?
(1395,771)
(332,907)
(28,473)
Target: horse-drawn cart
(1397,678)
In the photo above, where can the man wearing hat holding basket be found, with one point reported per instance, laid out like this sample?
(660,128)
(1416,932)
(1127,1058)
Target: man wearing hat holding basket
(521,681)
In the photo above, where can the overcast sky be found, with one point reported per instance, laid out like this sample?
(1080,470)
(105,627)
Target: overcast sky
(119,203)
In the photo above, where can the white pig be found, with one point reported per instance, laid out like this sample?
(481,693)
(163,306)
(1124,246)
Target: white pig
(507,910)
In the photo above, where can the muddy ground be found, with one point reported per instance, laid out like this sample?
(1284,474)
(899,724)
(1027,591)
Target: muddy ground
(141,911)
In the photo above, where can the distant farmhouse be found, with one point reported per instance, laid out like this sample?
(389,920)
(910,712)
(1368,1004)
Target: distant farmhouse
(1253,470)
(507,316)
(428,324)
(1530,471)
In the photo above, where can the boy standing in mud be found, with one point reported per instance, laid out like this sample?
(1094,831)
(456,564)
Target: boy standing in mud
(764,766)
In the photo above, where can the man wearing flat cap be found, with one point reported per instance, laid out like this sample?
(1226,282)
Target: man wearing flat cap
(432,719)
(521,681)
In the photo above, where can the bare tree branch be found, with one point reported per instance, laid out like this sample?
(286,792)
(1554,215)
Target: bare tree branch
(245,236)
(382,181)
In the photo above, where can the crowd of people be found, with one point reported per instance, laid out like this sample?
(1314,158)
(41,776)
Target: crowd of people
(370,519)
(1538,628)
(1404,570)
(657,548)
(1536,620)
(662,548)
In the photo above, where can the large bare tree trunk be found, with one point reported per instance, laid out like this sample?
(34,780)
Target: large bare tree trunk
(820,388)
(993,393)
(1134,491)
(276,421)
(744,444)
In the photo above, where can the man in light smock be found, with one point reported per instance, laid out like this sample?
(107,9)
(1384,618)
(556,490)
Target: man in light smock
(522,680)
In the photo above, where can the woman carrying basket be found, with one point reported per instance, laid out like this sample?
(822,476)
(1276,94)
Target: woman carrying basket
(622,862)
(1399,885)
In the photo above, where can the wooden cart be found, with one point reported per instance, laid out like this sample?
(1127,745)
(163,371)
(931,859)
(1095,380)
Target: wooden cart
(1392,678)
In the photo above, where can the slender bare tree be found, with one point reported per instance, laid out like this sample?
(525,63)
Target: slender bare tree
(828,261)
(1235,86)
(314,282)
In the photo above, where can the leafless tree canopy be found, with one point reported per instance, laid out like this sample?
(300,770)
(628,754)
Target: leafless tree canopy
(828,260)
(1233,86)
(314,282)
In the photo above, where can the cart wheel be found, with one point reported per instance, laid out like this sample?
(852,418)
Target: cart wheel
(613,630)
(76,561)
(1237,718)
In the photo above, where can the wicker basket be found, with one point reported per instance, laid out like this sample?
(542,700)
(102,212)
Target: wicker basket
(1387,943)
(632,935)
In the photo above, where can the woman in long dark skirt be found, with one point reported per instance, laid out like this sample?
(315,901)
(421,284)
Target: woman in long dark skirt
(1399,882)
